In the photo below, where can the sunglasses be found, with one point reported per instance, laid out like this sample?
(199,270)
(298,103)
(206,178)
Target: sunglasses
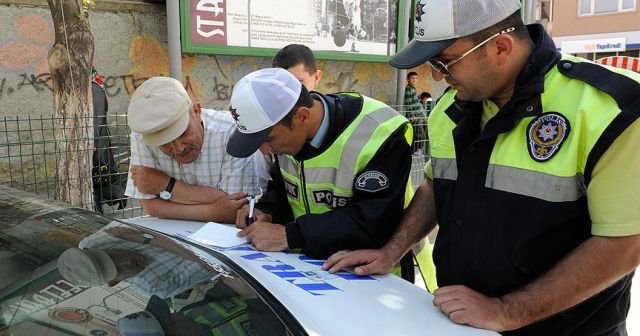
(444,68)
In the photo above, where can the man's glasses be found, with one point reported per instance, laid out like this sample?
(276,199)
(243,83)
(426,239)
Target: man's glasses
(444,68)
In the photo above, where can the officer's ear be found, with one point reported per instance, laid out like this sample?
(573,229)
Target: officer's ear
(317,76)
(301,116)
(503,48)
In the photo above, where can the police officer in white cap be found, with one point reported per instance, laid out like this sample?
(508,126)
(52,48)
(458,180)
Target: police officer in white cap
(341,178)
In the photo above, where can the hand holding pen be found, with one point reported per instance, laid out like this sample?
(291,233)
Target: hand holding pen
(252,205)
(253,199)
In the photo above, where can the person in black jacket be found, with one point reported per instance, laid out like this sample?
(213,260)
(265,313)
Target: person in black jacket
(319,213)
(533,178)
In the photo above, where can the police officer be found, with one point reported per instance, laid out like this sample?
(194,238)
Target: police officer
(533,177)
(299,60)
(341,178)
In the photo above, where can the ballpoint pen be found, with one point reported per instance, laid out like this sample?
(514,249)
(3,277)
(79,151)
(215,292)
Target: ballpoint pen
(252,204)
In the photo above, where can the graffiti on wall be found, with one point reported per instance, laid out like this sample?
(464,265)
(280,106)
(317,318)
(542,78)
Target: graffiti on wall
(27,49)
(208,79)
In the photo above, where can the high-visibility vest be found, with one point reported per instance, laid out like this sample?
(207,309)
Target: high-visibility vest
(326,181)
(511,202)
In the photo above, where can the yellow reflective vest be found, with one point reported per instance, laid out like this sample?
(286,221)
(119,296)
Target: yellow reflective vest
(326,181)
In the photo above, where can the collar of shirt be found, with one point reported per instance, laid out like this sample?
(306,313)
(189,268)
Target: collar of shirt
(317,140)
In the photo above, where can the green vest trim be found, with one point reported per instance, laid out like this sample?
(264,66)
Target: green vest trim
(511,168)
(328,178)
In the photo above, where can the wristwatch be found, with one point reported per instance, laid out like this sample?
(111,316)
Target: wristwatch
(147,238)
(166,193)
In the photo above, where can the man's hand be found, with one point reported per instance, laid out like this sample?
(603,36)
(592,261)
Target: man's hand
(266,236)
(258,216)
(226,207)
(149,180)
(366,262)
(465,306)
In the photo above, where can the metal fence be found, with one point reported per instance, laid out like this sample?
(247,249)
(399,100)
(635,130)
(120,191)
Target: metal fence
(30,153)
(31,149)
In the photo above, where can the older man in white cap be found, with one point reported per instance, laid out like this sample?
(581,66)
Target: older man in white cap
(533,179)
(179,167)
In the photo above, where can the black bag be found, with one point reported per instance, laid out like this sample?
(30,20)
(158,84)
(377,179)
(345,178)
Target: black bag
(109,184)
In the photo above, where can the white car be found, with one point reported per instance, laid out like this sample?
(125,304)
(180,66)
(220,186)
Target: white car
(183,288)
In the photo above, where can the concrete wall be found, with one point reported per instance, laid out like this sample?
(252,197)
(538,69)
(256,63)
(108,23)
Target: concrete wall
(130,46)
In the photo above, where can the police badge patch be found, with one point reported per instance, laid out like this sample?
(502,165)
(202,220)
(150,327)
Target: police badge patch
(372,181)
(546,134)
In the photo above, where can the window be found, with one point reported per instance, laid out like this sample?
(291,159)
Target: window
(591,7)
(544,11)
(605,54)
(630,53)
(589,56)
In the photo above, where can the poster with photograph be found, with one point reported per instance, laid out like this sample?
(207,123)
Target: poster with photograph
(341,29)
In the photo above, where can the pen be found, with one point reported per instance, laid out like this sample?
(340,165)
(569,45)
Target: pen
(252,204)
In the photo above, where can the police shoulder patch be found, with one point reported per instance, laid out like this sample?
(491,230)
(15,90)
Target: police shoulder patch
(372,181)
(545,135)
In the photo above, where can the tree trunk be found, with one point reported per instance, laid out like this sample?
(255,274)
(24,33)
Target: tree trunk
(70,60)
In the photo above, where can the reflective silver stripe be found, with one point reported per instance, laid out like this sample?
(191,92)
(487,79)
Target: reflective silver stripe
(319,175)
(356,143)
(287,165)
(520,181)
(535,184)
(446,169)
(343,177)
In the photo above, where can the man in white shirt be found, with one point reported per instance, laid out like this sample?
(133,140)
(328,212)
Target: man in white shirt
(179,165)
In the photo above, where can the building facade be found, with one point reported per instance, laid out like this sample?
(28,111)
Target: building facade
(593,29)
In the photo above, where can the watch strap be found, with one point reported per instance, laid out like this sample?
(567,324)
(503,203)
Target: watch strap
(170,185)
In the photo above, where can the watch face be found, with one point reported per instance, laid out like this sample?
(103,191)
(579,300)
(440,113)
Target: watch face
(165,195)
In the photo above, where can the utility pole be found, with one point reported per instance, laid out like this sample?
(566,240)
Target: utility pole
(529,11)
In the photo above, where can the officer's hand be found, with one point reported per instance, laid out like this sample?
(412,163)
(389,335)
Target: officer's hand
(266,236)
(365,261)
(258,216)
(465,306)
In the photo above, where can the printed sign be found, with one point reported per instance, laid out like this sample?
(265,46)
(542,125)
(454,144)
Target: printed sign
(338,29)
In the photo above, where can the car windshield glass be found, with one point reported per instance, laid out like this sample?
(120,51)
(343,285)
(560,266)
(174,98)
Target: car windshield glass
(69,271)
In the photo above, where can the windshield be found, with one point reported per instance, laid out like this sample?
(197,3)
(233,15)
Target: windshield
(68,271)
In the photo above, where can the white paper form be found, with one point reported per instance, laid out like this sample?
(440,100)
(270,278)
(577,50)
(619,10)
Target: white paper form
(217,235)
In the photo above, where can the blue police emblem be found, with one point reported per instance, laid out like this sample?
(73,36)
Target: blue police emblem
(546,134)
(372,181)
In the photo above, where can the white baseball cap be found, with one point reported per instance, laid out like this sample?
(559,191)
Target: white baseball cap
(439,23)
(159,110)
(259,101)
